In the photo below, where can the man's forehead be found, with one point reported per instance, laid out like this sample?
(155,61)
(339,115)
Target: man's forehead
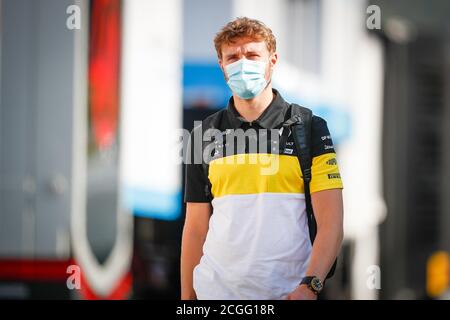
(244,44)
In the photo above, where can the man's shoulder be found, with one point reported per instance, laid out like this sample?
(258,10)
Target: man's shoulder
(213,121)
(316,121)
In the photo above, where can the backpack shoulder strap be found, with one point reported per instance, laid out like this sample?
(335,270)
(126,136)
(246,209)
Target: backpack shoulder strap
(300,125)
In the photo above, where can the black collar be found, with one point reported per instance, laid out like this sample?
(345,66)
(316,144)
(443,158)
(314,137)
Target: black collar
(272,116)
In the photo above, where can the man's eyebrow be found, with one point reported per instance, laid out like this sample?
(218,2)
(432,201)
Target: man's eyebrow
(231,55)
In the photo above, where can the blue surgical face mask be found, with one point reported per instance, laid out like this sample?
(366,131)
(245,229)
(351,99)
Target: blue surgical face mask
(246,77)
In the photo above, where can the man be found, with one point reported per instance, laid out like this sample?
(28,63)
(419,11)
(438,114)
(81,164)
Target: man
(246,231)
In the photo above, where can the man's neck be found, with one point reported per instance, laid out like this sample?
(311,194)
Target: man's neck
(251,109)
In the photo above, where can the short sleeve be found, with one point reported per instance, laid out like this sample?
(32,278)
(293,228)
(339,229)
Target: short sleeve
(325,171)
(196,182)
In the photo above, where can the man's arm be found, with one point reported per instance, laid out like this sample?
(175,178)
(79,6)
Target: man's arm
(328,211)
(194,235)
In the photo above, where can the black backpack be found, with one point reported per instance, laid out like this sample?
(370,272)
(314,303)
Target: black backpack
(299,124)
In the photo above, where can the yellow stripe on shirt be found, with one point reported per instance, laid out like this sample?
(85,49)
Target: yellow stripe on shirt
(272,173)
(255,173)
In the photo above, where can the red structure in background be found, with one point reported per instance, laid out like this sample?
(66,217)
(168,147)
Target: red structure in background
(35,270)
(121,290)
(104,71)
(104,93)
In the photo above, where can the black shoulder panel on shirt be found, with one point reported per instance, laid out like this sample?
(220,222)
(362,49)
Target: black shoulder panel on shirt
(197,188)
(321,139)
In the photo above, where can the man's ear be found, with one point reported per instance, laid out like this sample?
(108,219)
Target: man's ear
(223,69)
(274,59)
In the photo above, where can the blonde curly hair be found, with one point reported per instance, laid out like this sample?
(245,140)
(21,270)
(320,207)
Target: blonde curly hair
(244,27)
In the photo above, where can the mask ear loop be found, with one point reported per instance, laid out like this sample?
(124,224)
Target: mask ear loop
(270,77)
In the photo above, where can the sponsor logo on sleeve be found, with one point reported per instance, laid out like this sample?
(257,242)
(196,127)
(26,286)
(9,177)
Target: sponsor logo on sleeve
(334,176)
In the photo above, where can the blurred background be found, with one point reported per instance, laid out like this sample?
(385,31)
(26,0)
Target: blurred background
(93,92)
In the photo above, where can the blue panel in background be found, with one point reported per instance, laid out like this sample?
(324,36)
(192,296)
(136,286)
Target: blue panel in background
(153,204)
(204,85)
